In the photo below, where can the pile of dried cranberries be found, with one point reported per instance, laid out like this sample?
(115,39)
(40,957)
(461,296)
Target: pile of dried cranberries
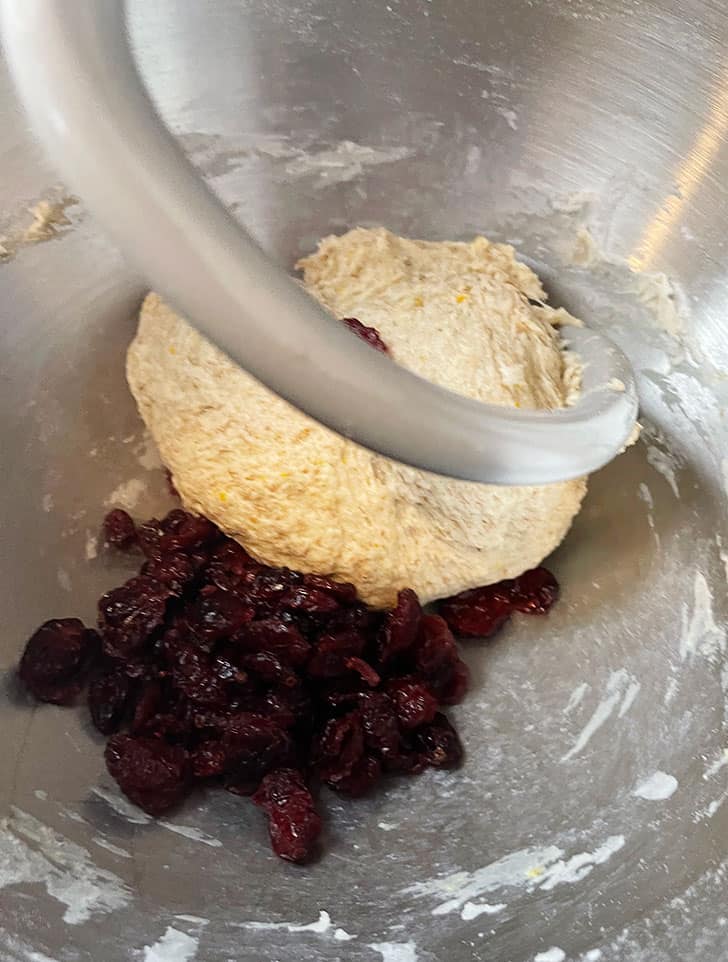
(208,666)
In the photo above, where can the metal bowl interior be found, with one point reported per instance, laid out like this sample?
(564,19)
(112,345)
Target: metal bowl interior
(589,821)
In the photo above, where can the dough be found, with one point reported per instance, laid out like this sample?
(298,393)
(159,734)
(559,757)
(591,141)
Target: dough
(296,494)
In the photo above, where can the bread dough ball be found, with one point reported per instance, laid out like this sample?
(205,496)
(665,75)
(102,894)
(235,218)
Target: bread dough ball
(296,494)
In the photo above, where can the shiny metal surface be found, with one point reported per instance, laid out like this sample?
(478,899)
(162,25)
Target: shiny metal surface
(531,121)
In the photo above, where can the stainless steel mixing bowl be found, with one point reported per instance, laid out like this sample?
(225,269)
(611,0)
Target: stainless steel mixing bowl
(590,819)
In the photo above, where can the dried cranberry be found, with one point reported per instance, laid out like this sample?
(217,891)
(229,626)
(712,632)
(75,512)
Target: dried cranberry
(287,707)
(151,773)
(108,696)
(437,650)
(149,536)
(270,668)
(208,759)
(401,627)
(339,747)
(218,614)
(480,612)
(56,660)
(128,615)
(253,745)
(229,562)
(185,532)
(174,570)
(149,703)
(119,529)
(331,653)
(309,600)
(379,721)
(277,636)
(364,670)
(294,824)
(414,704)
(344,592)
(369,334)
(535,591)
(439,744)
(361,779)
(193,675)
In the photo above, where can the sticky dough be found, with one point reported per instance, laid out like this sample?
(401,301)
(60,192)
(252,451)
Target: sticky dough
(296,494)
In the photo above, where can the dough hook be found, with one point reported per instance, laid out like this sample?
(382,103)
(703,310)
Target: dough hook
(76,76)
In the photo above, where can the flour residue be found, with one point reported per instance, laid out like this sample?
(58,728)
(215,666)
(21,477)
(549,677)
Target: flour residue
(665,465)
(122,807)
(110,847)
(173,946)
(621,691)
(194,834)
(657,788)
(715,766)
(127,494)
(92,546)
(700,633)
(530,869)
(473,910)
(342,163)
(320,927)
(554,954)
(396,951)
(576,697)
(32,853)
(646,495)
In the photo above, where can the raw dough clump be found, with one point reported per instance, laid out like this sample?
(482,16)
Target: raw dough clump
(296,494)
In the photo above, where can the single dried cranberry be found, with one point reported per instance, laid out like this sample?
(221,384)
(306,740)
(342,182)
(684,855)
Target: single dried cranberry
(535,591)
(331,653)
(193,675)
(437,649)
(439,744)
(414,704)
(151,773)
(339,747)
(401,626)
(175,570)
(480,612)
(369,334)
(208,759)
(277,636)
(361,779)
(364,670)
(149,536)
(119,529)
(287,707)
(294,824)
(108,696)
(365,622)
(228,563)
(344,592)
(186,532)
(56,660)
(149,703)
(129,614)
(253,745)
(218,614)
(269,668)
(379,721)
(313,601)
